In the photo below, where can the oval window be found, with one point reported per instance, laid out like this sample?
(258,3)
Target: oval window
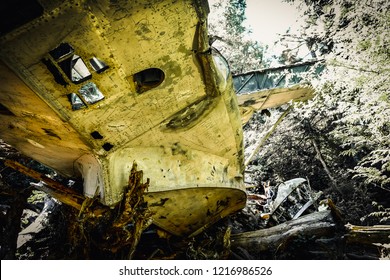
(148,79)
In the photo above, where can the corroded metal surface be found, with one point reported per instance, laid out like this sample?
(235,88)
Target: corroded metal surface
(92,86)
(191,210)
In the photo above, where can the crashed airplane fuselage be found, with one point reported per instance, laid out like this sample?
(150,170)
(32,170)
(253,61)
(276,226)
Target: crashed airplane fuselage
(89,87)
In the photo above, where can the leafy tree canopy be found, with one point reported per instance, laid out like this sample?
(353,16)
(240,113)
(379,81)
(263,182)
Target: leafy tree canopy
(354,37)
(230,36)
(340,138)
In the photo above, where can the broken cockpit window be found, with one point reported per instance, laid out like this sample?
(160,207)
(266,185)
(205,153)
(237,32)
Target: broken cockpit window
(90,93)
(98,65)
(76,101)
(62,51)
(75,68)
(71,64)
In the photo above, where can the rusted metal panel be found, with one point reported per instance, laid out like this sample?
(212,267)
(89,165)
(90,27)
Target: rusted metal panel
(96,85)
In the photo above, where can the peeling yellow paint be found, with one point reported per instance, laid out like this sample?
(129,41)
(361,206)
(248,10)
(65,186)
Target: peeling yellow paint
(182,125)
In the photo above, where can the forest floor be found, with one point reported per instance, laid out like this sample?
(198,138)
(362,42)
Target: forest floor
(33,224)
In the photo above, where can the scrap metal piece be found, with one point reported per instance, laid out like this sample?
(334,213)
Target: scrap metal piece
(293,199)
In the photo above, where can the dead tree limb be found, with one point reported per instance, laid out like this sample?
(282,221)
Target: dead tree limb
(324,165)
(323,234)
(53,188)
(367,234)
(267,135)
(319,224)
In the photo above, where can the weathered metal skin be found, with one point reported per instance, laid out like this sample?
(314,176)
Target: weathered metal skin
(89,87)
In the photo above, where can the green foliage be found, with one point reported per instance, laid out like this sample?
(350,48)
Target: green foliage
(348,120)
(235,16)
(353,94)
(380,215)
(230,36)
(36,197)
(349,116)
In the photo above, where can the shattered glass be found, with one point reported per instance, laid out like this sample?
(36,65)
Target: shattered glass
(90,93)
(75,68)
(76,101)
(98,65)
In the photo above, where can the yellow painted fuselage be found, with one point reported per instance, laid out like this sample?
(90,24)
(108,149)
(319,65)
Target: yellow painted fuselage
(89,87)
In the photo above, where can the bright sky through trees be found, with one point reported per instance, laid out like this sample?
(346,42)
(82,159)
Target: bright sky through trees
(268,18)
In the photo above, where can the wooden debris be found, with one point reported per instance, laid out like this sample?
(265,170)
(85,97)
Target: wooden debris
(324,235)
(133,210)
(98,231)
(58,191)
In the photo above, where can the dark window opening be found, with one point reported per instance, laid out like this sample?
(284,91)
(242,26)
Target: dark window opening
(148,79)
(15,13)
(75,68)
(55,72)
(72,64)
(98,65)
(5,111)
(76,101)
(107,146)
(96,135)
(63,50)
(90,93)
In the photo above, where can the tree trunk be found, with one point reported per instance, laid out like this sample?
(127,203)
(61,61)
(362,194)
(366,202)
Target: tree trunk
(320,235)
(269,242)
(367,235)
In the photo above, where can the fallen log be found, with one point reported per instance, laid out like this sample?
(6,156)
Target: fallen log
(270,241)
(367,234)
(319,235)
